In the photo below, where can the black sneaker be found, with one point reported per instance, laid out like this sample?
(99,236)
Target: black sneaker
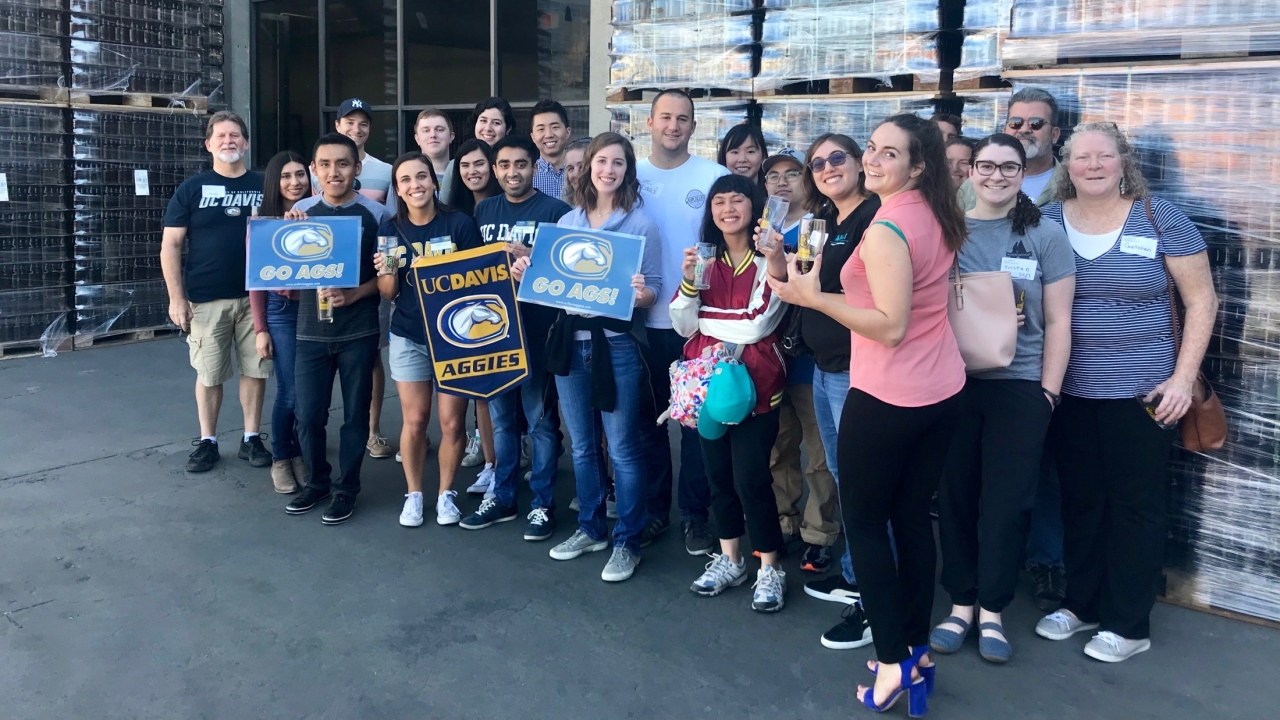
(1049,594)
(833,589)
(656,527)
(204,457)
(853,631)
(489,512)
(340,510)
(307,499)
(698,539)
(254,451)
(542,525)
(816,559)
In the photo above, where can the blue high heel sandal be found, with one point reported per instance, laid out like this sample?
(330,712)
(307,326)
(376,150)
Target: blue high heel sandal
(928,674)
(917,695)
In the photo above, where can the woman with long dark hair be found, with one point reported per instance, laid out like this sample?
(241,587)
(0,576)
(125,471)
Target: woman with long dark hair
(422,226)
(473,178)
(993,469)
(601,377)
(739,308)
(743,151)
(275,320)
(906,381)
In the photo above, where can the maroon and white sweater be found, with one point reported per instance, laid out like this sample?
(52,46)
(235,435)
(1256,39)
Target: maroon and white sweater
(738,308)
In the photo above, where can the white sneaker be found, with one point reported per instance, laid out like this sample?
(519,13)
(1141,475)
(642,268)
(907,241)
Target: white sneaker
(398,457)
(1110,647)
(484,481)
(577,544)
(411,515)
(446,512)
(491,473)
(722,574)
(771,590)
(1062,625)
(475,453)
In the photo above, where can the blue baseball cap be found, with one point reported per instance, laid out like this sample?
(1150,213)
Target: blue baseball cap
(730,397)
(353,105)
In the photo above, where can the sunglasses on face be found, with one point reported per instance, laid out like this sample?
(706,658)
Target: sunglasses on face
(775,176)
(835,159)
(1034,124)
(986,168)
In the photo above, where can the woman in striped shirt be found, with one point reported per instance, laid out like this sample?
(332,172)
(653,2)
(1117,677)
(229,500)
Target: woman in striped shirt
(1127,385)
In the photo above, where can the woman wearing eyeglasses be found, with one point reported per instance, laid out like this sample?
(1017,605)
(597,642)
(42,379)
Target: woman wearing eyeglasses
(993,467)
(835,190)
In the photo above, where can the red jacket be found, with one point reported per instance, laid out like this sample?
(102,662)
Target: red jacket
(738,308)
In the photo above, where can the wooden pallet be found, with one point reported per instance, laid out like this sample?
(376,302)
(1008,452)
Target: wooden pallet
(984,82)
(139,100)
(124,337)
(1171,45)
(1152,67)
(1186,591)
(28,348)
(849,86)
(643,94)
(34,93)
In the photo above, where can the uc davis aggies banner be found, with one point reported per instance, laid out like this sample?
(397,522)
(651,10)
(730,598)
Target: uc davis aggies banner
(474,333)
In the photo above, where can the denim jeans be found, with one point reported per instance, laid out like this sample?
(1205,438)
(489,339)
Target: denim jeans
(1044,541)
(544,425)
(665,347)
(282,325)
(316,364)
(829,393)
(623,429)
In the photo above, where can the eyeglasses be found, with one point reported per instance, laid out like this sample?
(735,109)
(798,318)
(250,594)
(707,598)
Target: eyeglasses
(1008,169)
(789,175)
(1034,124)
(836,159)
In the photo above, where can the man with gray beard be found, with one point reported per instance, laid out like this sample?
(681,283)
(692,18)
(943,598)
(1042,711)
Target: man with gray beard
(207,298)
(1033,119)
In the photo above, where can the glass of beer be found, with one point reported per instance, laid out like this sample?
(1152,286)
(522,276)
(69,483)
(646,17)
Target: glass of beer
(775,212)
(813,233)
(324,308)
(706,255)
(385,243)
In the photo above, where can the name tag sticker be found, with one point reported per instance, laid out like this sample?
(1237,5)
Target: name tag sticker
(141,183)
(1019,268)
(1138,245)
(213,191)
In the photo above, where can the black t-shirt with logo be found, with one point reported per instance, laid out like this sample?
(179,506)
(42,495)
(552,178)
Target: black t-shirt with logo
(828,339)
(498,217)
(453,226)
(214,209)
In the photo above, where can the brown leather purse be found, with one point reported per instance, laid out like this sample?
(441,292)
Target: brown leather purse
(1204,427)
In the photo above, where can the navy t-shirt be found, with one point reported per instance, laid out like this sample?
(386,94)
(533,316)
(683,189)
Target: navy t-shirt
(458,228)
(214,209)
(359,319)
(498,217)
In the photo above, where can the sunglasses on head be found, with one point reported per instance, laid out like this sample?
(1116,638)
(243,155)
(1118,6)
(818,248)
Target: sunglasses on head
(835,159)
(1015,123)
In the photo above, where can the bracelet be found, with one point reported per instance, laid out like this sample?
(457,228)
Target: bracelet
(1053,397)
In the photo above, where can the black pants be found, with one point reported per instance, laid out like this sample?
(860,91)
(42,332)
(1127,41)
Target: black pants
(1113,463)
(988,489)
(738,469)
(890,459)
(314,370)
(693,493)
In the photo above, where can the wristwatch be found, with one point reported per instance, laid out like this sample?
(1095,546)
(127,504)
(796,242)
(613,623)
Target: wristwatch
(1053,397)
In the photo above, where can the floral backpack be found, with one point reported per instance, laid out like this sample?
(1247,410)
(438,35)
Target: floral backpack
(689,380)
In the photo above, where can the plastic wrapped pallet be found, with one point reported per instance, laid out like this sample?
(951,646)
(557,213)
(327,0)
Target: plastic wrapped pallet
(1045,31)
(706,53)
(803,40)
(30,52)
(984,113)
(714,120)
(1206,140)
(985,27)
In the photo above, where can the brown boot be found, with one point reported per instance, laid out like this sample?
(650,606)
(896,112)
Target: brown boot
(282,477)
(299,470)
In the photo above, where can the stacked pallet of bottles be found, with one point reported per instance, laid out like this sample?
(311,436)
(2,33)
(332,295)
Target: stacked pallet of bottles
(985,27)
(35,268)
(1196,89)
(706,44)
(31,56)
(127,163)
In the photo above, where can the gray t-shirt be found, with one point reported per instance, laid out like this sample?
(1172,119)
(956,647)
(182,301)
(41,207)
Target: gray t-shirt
(1041,257)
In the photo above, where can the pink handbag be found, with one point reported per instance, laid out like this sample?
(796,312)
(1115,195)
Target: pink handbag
(984,318)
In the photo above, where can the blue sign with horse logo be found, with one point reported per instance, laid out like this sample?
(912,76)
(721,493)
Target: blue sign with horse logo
(474,333)
(321,252)
(583,270)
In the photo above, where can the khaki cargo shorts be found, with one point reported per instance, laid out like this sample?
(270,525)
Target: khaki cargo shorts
(217,328)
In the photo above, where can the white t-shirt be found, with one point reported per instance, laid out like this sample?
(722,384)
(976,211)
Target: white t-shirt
(373,181)
(1033,185)
(674,199)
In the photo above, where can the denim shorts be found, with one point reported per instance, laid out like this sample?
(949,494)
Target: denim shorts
(410,362)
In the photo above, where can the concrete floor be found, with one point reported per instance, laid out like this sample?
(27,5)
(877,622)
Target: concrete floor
(133,590)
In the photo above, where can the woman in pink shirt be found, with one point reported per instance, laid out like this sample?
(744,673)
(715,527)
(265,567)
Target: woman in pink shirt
(906,379)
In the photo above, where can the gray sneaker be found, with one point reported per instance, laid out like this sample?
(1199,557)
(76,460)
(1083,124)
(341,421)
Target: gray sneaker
(771,589)
(622,565)
(1062,625)
(722,574)
(578,543)
(1110,647)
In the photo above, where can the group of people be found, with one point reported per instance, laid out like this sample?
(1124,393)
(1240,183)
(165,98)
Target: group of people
(1057,461)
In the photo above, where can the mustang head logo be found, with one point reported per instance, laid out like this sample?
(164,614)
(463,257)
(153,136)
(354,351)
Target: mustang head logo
(474,321)
(583,256)
(303,242)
